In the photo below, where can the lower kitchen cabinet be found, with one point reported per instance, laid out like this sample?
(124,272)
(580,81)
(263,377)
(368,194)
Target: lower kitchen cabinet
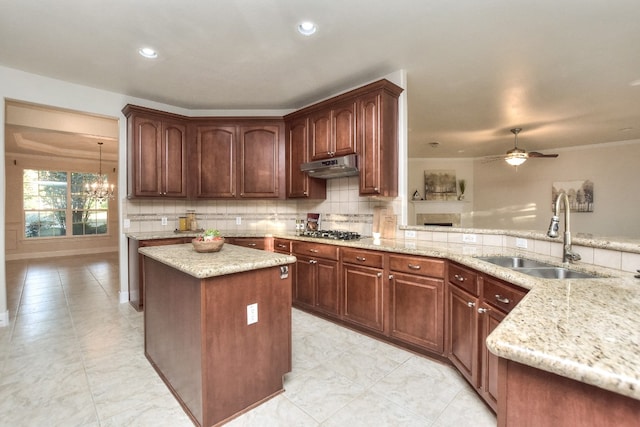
(363,286)
(316,282)
(417,301)
(136,268)
(463,333)
(248,242)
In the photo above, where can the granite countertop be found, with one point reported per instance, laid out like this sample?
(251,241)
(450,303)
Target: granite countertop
(230,259)
(584,329)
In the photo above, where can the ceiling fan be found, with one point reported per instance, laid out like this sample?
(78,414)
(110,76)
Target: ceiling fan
(517,156)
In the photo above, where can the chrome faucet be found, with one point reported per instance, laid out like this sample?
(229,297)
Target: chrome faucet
(567,254)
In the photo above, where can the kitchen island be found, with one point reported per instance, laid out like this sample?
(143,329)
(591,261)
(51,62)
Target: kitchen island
(218,326)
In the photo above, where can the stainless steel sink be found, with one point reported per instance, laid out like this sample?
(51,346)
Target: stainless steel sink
(556,273)
(514,262)
(536,268)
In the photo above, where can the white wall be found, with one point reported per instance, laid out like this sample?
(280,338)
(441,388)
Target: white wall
(521,200)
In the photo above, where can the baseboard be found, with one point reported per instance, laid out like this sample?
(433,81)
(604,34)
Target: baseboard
(4,319)
(123,296)
(55,254)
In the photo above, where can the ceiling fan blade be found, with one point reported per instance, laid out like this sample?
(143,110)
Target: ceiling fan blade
(536,154)
(491,159)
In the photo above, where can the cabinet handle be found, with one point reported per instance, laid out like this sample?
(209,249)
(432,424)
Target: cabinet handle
(391,277)
(379,274)
(471,304)
(502,299)
(313,261)
(280,245)
(361,258)
(414,267)
(304,193)
(482,310)
(252,244)
(313,251)
(459,278)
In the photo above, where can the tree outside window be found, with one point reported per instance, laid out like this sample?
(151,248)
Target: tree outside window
(50,197)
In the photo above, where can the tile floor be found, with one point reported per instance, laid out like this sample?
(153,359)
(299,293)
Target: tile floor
(73,356)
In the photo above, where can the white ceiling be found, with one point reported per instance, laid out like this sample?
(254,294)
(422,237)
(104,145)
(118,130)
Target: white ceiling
(562,70)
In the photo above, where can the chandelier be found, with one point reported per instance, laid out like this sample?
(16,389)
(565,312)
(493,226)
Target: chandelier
(100,190)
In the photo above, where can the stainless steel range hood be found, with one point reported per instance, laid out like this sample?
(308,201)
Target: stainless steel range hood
(332,168)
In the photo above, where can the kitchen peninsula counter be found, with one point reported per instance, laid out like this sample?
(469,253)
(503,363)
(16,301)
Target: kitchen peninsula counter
(218,326)
(584,329)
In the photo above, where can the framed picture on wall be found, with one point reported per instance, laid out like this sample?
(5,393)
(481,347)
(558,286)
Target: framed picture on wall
(580,193)
(440,185)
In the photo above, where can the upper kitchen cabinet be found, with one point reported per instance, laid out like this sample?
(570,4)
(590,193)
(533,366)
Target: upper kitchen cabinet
(213,161)
(299,184)
(157,153)
(378,139)
(333,131)
(363,121)
(238,159)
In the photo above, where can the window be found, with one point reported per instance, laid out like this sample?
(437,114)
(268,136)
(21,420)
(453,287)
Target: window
(51,197)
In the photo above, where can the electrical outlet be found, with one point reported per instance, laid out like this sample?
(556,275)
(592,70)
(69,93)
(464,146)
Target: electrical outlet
(521,243)
(238,220)
(252,314)
(127,223)
(469,238)
(163,220)
(409,234)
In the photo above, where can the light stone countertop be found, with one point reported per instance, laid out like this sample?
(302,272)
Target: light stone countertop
(230,259)
(584,329)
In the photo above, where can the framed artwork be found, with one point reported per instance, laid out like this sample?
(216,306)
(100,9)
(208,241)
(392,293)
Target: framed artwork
(580,193)
(440,185)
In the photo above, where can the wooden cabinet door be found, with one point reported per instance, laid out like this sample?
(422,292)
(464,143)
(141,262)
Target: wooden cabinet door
(174,159)
(320,135)
(327,287)
(304,283)
(343,128)
(145,154)
(417,310)
(299,184)
(261,168)
(214,162)
(489,319)
(363,296)
(463,333)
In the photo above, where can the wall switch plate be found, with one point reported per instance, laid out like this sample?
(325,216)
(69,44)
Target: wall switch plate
(521,243)
(469,238)
(252,314)
(127,223)
(409,234)
(238,220)
(164,220)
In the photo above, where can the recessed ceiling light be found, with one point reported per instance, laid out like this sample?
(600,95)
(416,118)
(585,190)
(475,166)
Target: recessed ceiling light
(147,52)
(306,28)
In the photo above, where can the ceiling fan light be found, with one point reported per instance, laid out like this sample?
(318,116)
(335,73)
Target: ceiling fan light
(516,159)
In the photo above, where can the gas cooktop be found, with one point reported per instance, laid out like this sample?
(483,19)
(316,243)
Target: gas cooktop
(332,234)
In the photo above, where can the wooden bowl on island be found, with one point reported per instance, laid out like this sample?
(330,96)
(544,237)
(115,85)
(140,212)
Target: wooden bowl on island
(204,246)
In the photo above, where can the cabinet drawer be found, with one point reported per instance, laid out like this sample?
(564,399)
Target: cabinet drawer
(420,266)
(282,245)
(463,278)
(501,295)
(315,250)
(247,242)
(360,257)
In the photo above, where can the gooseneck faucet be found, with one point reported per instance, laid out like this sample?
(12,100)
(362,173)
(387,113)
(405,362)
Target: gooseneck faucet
(567,254)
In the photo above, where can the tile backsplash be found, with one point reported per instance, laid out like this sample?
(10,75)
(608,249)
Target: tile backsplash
(343,209)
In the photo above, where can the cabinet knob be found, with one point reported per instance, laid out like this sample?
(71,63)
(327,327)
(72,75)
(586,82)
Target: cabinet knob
(314,251)
(502,299)
(379,274)
(414,267)
(361,258)
(482,310)
(313,261)
(471,304)
(304,193)
(391,277)
(459,278)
